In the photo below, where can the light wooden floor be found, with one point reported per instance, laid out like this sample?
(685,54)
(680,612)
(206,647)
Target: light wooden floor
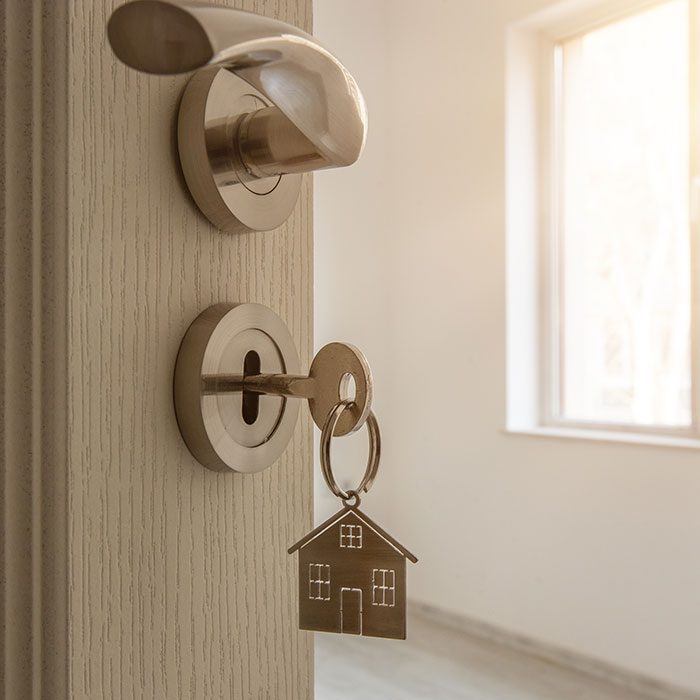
(437,663)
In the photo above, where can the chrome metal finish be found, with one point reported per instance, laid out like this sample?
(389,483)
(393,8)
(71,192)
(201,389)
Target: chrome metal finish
(375,449)
(240,415)
(323,388)
(265,384)
(305,111)
(212,425)
(232,199)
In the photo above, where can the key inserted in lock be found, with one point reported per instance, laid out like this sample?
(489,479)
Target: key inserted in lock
(237,386)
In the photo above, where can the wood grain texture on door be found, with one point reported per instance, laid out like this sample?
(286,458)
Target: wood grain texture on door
(134,571)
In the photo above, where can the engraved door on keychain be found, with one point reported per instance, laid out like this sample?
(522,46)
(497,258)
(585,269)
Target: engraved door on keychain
(352,574)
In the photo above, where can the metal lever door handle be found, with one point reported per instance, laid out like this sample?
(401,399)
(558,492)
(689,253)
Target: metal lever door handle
(310,113)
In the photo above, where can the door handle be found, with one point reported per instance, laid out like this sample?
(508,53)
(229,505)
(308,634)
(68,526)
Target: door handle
(305,111)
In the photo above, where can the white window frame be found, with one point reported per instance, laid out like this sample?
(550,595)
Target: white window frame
(351,536)
(533,372)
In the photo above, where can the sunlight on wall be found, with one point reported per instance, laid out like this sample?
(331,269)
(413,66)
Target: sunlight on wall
(589,546)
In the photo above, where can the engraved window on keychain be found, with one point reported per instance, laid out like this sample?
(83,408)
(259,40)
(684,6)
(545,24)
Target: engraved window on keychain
(383,587)
(366,594)
(351,536)
(319,582)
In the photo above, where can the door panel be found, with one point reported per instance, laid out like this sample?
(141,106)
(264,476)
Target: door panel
(181,583)
(176,579)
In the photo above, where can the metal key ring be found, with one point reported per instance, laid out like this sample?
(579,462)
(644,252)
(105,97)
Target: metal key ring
(375,445)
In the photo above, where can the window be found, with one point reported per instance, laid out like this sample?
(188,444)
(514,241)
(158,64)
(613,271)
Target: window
(611,218)
(319,582)
(384,587)
(622,275)
(351,536)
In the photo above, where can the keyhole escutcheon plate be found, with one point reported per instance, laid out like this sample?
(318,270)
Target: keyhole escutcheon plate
(238,389)
(221,430)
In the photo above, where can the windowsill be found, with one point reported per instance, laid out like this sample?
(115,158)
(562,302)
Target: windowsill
(607,436)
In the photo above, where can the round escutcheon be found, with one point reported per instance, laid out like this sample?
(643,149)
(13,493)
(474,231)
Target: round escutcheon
(214,425)
(212,106)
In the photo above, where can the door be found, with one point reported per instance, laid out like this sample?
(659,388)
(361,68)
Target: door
(130,571)
(351,610)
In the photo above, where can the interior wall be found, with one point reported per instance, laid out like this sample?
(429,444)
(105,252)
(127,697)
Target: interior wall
(587,545)
(351,247)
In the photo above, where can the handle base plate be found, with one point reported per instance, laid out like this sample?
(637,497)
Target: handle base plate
(213,103)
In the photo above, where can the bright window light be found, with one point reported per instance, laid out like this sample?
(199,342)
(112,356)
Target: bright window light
(621,298)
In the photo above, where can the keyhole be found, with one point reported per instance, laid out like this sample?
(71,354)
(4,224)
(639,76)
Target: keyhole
(250,406)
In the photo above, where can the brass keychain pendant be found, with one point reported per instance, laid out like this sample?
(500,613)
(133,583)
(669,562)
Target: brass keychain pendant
(352,574)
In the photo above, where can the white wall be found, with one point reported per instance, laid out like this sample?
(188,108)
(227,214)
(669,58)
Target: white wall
(352,215)
(594,547)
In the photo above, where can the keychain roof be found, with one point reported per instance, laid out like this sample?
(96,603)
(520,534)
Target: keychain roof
(366,520)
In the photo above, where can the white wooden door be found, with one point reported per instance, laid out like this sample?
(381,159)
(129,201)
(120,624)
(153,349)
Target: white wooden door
(129,571)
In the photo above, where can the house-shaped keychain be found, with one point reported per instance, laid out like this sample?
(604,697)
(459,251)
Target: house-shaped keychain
(352,578)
